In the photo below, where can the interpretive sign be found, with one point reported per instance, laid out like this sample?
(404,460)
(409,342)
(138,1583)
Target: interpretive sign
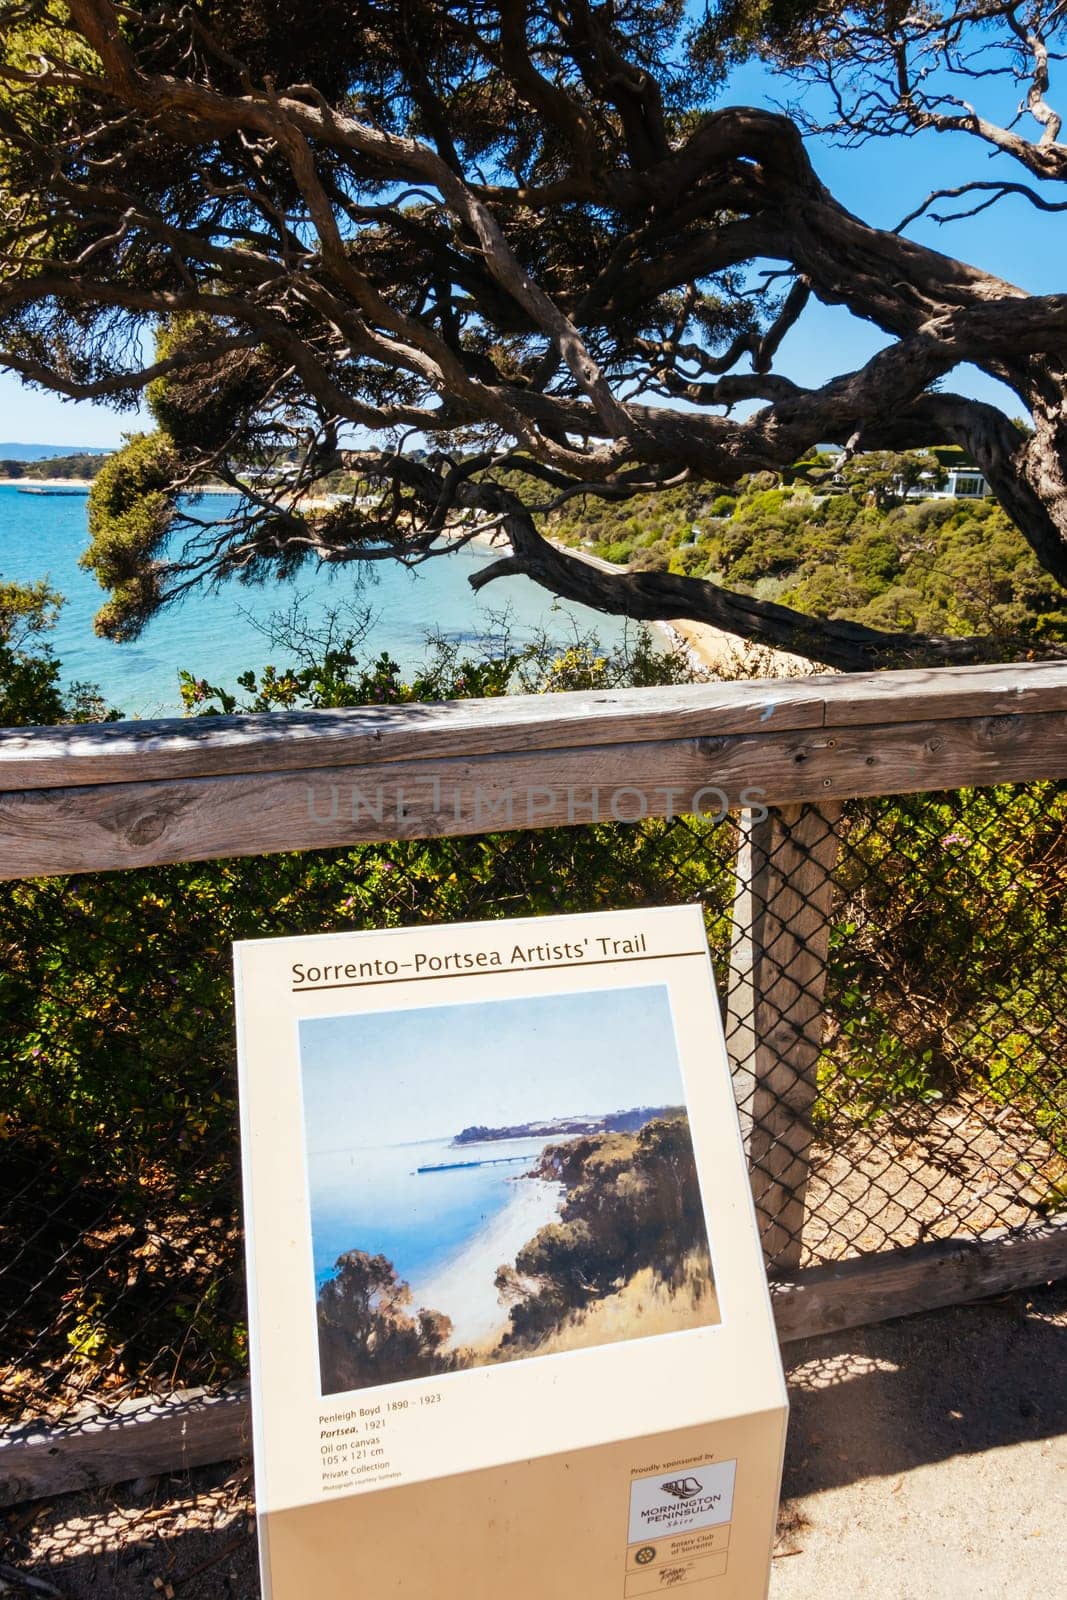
(510,1331)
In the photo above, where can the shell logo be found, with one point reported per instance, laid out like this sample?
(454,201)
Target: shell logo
(683,1488)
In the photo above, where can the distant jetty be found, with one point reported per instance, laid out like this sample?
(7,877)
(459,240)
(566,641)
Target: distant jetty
(52,488)
(454,1166)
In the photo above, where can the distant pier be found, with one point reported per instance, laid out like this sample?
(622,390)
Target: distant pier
(491,1161)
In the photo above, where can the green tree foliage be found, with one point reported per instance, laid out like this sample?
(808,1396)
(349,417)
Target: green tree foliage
(30,689)
(131,511)
(77,465)
(437,240)
(841,545)
(631,1201)
(368,1334)
(29,678)
(977,876)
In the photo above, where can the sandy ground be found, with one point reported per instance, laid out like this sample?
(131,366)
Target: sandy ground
(463,1288)
(927,1460)
(48,483)
(727,656)
(929,1172)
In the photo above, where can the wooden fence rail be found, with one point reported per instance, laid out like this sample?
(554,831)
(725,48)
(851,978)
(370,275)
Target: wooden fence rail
(92,798)
(108,796)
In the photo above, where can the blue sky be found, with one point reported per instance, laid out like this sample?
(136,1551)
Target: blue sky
(881,182)
(400,1076)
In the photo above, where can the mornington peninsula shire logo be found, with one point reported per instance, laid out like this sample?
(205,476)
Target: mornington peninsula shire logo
(701,1497)
(682,1488)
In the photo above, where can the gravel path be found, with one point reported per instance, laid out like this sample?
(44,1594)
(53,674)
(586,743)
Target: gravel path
(927,1458)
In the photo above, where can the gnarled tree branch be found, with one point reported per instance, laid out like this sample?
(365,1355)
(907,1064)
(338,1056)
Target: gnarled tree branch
(529,239)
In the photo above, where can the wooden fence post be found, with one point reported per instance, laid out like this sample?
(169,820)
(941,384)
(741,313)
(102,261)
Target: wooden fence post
(774,1022)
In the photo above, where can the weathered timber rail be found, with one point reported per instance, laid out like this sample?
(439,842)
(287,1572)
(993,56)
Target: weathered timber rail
(112,796)
(95,798)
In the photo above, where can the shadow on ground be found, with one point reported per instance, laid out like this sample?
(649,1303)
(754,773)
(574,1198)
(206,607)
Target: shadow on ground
(190,1535)
(923,1393)
(883,1400)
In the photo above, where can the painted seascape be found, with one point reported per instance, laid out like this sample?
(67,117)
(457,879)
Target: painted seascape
(501,1180)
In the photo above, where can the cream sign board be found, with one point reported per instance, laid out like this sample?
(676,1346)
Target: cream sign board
(509,1326)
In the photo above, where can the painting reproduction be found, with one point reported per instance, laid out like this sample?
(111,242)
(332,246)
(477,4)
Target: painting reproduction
(499,1180)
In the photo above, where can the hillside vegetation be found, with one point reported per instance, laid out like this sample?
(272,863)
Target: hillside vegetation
(632,1204)
(853,548)
(79,465)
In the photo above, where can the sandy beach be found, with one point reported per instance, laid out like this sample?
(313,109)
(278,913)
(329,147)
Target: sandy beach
(463,1288)
(46,483)
(725,655)
(87,483)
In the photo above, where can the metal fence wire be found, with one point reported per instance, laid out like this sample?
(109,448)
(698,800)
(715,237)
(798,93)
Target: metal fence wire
(895,995)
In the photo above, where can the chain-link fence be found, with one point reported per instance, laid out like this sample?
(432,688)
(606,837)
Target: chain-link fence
(894,986)
(895,995)
(914,1081)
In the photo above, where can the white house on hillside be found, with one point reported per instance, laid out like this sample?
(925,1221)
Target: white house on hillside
(957,482)
(960,483)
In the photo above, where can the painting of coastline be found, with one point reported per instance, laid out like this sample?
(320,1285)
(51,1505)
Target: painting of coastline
(499,1180)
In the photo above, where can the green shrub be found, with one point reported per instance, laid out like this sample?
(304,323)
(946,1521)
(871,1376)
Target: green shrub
(117,1087)
(117,1094)
(947,973)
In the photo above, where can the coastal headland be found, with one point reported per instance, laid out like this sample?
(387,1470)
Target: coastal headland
(602,1238)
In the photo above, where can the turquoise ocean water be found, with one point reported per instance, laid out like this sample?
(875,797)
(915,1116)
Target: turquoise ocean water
(215,635)
(376,1200)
